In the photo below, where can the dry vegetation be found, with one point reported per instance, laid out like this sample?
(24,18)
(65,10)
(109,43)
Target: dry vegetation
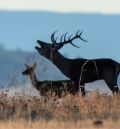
(73,112)
(54,124)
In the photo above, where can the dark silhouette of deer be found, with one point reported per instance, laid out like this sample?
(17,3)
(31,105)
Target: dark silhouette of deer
(44,87)
(80,70)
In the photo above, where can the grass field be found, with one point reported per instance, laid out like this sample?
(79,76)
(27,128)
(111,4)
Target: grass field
(71,112)
(54,124)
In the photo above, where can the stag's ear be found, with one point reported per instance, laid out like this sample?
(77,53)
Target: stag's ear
(34,65)
(26,66)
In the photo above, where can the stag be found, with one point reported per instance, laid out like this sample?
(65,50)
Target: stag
(80,70)
(45,87)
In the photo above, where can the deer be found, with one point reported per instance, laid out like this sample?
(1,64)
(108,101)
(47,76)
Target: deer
(80,70)
(45,87)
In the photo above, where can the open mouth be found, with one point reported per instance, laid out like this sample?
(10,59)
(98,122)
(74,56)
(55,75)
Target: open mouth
(36,47)
(23,73)
(39,42)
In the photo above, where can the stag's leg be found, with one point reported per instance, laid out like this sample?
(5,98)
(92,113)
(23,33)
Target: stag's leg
(76,89)
(115,87)
(82,89)
(112,84)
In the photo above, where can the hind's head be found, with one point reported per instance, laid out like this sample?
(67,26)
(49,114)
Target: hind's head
(29,69)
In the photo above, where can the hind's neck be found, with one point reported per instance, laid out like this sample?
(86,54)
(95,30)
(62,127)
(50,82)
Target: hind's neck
(34,80)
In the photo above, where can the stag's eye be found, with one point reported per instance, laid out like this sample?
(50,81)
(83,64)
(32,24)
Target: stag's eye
(56,45)
(53,45)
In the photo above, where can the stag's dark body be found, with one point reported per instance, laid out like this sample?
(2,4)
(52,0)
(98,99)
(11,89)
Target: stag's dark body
(106,69)
(95,69)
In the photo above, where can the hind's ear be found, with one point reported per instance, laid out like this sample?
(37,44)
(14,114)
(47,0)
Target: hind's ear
(34,65)
(26,66)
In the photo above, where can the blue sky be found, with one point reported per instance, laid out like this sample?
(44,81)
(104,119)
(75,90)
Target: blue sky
(24,21)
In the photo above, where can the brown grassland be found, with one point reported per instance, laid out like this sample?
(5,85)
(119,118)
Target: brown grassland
(71,112)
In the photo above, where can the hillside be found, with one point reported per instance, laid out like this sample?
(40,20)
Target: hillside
(12,64)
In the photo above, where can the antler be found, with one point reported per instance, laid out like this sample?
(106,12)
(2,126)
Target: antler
(54,41)
(63,40)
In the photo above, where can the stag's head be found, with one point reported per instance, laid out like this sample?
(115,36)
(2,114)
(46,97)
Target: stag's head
(29,69)
(46,49)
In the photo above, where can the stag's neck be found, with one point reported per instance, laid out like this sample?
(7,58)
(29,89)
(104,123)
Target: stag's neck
(34,80)
(62,63)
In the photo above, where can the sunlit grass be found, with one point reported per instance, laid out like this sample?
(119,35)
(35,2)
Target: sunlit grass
(73,112)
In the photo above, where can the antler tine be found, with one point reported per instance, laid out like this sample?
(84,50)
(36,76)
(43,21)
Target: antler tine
(56,39)
(52,37)
(74,45)
(61,38)
(70,37)
(70,41)
(65,36)
(79,35)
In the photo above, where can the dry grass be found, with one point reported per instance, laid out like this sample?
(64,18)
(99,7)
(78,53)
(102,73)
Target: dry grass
(73,112)
(55,124)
